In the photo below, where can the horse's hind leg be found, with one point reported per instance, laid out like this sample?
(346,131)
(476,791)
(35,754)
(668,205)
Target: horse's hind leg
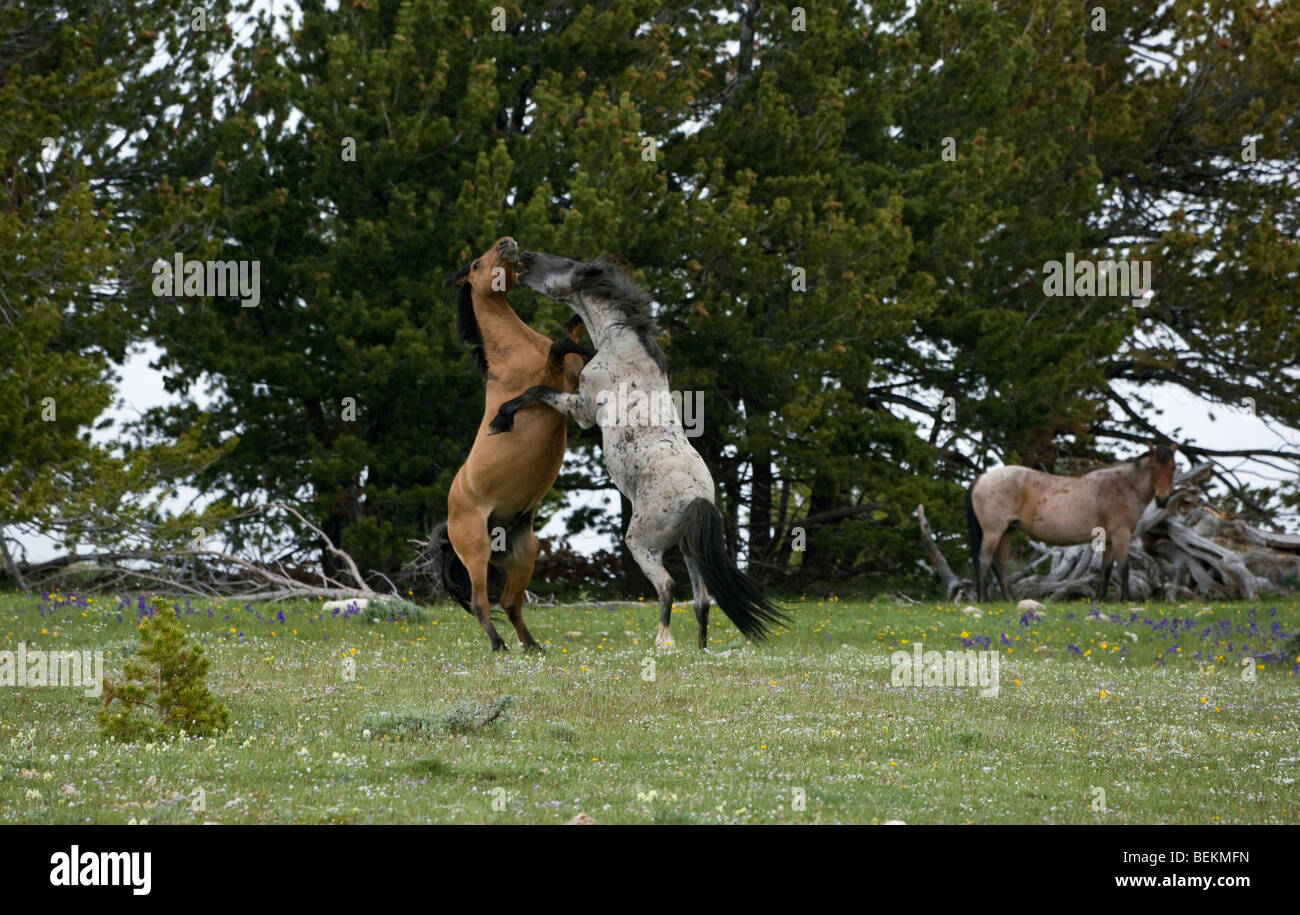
(701,598)
(469,537)
(985,562)
(519,572)
(651,560)
(1000,562)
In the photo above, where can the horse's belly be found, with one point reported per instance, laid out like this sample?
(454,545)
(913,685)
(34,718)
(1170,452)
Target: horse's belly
(514,471)
(1062,531)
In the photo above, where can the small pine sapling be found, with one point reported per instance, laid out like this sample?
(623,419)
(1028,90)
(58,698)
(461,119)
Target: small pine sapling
(163,692)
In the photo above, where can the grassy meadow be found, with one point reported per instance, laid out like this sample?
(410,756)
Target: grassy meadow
(1145,714)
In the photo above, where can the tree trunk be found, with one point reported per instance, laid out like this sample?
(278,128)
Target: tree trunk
(760,512)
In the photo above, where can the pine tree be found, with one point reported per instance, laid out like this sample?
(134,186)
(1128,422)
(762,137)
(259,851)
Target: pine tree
(164,690)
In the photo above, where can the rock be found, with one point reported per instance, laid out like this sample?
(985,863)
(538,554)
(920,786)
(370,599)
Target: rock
(344,604)
(573,635)
(975,612)
(1027,604)
(893,823)
(581,820)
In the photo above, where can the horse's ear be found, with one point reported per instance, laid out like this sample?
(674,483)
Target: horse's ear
(1173,446)
(458,276)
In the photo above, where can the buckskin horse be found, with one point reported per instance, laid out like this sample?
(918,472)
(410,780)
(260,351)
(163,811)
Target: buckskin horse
(645,447)
(1065,510)
(486,550)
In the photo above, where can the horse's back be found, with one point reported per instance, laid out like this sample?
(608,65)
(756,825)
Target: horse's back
(1048,507)
(1003,487)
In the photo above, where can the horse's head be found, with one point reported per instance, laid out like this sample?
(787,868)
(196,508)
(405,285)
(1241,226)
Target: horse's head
(1161,458)
(598,290)
(557,278)
(493,271)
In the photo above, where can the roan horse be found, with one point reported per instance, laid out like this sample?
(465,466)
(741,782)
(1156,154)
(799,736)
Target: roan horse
(646,450)
(492,501)
(1065,510)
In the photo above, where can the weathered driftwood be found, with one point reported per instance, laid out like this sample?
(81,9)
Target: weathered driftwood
(956,587)
(206,572)
(1181,550)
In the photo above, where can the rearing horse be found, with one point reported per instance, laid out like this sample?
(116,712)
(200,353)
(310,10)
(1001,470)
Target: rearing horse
(1065,510)
(495,494)
(646,450)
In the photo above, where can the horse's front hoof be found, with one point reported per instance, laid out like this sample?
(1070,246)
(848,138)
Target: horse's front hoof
(664,639)
(502,423)
(534,648)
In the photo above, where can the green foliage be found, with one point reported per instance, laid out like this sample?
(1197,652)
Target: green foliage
(464,716)
(77,207)
(372,151)
(394,609)
(561,731)
(164,691)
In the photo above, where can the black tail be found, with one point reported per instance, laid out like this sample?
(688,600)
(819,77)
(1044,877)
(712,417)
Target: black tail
(976,531)
(739,596)
(453,574)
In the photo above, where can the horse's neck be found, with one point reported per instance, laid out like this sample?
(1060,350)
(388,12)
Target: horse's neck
(609,335)
(604,330)
(499,326)
(1137,475)
(622,345)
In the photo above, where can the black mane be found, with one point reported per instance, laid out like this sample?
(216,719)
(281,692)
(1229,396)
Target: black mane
(466,323)
(1162,454)
(612,281)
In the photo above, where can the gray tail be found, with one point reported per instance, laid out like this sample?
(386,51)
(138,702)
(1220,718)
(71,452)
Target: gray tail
(975,530)
(740,597)
(453,575)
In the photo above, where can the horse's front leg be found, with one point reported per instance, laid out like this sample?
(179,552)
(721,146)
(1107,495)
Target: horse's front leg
(563,347)
(577,406)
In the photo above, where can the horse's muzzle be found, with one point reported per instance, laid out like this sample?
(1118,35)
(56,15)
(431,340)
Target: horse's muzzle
(508,250)
(525,260)
(1161,503)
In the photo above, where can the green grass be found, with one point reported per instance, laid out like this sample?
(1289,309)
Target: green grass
(1165,725)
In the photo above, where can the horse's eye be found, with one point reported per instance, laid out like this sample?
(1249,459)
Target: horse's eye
(475,265)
